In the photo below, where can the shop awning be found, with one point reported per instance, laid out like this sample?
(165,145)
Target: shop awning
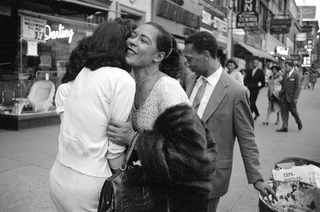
(97,4)
(255,52)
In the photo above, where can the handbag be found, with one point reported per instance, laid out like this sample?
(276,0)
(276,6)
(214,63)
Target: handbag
(107,193)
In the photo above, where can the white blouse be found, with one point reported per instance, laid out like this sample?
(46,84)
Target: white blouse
(61,95)
(95,98)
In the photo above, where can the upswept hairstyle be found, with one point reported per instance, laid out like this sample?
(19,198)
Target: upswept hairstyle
(166,43)
(108,45)
(76,60)
(203,41)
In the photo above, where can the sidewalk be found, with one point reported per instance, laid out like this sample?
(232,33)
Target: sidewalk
(26,157)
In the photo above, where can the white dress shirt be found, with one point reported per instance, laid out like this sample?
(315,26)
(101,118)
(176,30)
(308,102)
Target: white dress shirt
(95,98)
(212,81)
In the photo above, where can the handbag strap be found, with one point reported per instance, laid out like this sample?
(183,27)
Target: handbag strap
(129,152)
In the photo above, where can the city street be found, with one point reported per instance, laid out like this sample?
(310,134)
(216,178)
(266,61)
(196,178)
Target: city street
(27,155)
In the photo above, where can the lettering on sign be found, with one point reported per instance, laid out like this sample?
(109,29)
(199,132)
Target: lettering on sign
(248,6)
(58,34)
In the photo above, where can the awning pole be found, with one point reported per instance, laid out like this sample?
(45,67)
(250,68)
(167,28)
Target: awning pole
(230,30)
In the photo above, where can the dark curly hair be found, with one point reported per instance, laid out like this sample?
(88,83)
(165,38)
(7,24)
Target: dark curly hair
(76,60)
(166,43)
(108,45)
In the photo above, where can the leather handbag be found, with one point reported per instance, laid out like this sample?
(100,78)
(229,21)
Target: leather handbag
(107,193)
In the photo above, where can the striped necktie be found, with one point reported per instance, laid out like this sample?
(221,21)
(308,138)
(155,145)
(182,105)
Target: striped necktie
(199,95)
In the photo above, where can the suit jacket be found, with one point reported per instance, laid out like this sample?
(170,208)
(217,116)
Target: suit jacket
(291,86)
(252,82)
(228,116)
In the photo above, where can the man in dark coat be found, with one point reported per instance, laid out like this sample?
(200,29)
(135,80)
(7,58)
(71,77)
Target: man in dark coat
(254,80)
(289,96)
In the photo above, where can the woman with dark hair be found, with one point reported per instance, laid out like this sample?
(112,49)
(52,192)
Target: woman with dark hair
(232,69)
(153,55)
(102,91)
(75,64)
(274,88)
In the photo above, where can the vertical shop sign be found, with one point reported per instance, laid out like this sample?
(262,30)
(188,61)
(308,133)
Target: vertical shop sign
(32,28)
(247,18)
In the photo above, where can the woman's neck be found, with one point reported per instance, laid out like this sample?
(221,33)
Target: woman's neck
(146,74)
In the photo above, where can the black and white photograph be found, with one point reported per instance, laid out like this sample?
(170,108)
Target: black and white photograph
(159,106)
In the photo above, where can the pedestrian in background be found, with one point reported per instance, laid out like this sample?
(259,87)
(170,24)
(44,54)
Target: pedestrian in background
(223,105)
(274,88)
(289,95)
(102,91)
(233,71)
(254,80)
(313,78)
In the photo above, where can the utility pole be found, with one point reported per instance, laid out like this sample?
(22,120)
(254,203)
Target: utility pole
(230,29)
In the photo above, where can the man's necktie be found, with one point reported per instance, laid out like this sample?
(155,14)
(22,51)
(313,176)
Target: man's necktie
(199,95)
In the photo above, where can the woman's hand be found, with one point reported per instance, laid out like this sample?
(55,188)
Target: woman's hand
(120,133)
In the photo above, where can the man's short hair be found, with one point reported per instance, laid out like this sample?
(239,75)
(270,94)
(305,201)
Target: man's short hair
(203,41)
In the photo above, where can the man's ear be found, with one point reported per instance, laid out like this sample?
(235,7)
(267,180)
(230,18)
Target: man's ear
(206,54)
(158,57)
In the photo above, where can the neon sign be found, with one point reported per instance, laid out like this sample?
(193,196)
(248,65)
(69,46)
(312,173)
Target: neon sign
(58,34)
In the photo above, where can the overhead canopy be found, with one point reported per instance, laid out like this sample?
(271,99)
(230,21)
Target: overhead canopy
(240,46)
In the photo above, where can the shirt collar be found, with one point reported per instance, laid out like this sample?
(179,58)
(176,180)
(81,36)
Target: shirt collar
(214,76)
(291,72)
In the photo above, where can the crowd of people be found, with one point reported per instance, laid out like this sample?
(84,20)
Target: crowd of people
(129,90)
(284,82)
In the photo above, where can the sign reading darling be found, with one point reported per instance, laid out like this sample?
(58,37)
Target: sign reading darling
(61,33)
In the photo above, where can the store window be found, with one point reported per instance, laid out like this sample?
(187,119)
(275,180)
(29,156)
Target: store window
(46,45)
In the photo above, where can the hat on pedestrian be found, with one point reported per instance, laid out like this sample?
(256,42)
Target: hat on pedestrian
(232,61)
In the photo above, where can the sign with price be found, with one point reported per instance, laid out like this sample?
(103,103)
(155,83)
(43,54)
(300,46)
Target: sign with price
(33,28)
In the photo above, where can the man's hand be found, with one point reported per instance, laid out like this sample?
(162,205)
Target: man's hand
(120,133)
(264,189)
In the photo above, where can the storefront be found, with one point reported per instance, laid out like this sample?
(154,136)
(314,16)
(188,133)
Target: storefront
(46,43)
(43,46)
(180,18)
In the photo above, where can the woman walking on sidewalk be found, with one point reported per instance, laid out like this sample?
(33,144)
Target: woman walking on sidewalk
(274,88)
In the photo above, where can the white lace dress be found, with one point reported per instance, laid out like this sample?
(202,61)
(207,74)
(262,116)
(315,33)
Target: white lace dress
(166,93)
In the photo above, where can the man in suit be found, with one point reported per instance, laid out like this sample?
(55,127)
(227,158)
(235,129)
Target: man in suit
(254,80)
(289,96)
(223,105)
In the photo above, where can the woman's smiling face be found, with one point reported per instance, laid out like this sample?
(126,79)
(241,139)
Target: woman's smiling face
(142,47)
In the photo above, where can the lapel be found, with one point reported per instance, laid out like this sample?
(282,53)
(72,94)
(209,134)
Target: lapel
(217,96)
(255,73)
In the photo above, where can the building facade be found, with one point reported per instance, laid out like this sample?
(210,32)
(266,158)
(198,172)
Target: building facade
(40,40)
(214,20)
(180,17)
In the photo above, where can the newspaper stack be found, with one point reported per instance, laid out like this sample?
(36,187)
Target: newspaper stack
(309,174)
